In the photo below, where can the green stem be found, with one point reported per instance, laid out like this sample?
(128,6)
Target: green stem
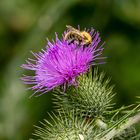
(116,131)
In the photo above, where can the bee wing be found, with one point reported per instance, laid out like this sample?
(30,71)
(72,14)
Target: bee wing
(70,28)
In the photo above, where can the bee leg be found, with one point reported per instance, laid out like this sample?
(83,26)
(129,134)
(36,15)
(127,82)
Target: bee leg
(84,46)
(71,41)
(79,43)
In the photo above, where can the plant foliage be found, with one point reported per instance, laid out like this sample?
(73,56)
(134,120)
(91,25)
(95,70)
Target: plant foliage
(86,113)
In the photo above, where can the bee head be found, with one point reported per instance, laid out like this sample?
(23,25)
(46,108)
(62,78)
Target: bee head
(87,37)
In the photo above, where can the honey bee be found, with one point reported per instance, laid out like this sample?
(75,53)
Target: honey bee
(75,35)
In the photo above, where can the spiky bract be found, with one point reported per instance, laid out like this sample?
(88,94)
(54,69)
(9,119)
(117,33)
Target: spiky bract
(66,127)
(92,96)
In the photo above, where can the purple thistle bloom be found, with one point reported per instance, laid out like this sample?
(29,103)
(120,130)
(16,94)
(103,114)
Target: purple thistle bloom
(60,63)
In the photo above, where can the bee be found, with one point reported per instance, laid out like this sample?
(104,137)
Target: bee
(80,37)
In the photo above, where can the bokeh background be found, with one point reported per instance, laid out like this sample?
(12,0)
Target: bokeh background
(25,25)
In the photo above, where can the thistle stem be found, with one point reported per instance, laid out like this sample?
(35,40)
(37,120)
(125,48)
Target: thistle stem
(131,121)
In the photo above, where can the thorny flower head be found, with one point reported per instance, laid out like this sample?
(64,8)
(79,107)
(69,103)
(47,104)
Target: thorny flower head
(61,62)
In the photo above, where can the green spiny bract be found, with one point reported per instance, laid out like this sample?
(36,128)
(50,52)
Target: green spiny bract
(92,97)
(85,113)
(66,126)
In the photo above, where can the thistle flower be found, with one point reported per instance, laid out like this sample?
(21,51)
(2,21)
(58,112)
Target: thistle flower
(60,63)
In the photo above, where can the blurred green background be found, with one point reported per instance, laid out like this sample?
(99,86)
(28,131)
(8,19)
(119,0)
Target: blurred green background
(25,25)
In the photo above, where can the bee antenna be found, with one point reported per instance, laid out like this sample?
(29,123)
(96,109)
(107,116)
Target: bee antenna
(69,27)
